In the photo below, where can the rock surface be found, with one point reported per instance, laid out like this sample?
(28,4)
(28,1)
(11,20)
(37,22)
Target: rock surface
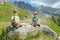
(25,29)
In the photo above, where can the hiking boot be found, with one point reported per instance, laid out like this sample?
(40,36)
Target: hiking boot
(20,26)
(35,25)
(38,25)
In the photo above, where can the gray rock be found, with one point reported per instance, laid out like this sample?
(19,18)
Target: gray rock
(25,29)
(59,38)
(49,31)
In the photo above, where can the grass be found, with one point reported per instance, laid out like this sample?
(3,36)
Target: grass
(55,27)
(52,25)
(3,35)
(16,37)
(3,25)
(38,36)
(30,36)
(6,11)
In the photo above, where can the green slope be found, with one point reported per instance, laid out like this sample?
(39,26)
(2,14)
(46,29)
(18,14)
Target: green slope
(6,11)
(52,25)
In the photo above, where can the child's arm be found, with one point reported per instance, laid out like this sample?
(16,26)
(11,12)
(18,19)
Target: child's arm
(13,19)
(19,22)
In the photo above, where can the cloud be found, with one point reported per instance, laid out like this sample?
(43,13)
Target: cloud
(56,5)
(38,3)
(50,3)
(47,1)
(21,0)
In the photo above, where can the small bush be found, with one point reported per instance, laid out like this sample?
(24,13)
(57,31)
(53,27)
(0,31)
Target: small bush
(15,37)
(3,35)
(31,36)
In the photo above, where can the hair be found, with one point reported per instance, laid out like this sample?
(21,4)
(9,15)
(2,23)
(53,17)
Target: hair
(35,13)
(15,11)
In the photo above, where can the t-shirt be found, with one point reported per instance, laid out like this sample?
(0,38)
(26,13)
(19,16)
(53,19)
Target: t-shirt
(34,19)
(16,18)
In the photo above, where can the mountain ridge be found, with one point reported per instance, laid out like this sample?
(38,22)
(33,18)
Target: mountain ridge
(24,5)
(48,10)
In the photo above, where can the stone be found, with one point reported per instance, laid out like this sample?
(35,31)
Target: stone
(27,28)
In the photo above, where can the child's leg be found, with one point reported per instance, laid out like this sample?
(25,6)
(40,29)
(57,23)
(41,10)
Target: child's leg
(34,24)
(37,24)
(20,25)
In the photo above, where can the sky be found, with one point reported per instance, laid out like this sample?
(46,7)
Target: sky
(49,3)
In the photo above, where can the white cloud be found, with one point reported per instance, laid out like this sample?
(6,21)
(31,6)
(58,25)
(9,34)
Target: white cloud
(47,1)
(56,5)
(50,3)
(19,0)
(38,3)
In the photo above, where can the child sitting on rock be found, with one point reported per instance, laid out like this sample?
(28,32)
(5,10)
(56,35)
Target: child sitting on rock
(35,19)
(15,19)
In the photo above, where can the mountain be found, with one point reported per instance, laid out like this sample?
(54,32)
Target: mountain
(48,10)
(40,9)
(24,5)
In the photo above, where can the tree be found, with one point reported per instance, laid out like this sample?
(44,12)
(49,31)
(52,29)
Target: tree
(59,21)
(53,19)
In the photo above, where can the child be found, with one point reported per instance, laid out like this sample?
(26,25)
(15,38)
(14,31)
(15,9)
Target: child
(15,19)
(35,19)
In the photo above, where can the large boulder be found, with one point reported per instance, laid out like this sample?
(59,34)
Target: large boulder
(59,38)
(49,31)
(27,28)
